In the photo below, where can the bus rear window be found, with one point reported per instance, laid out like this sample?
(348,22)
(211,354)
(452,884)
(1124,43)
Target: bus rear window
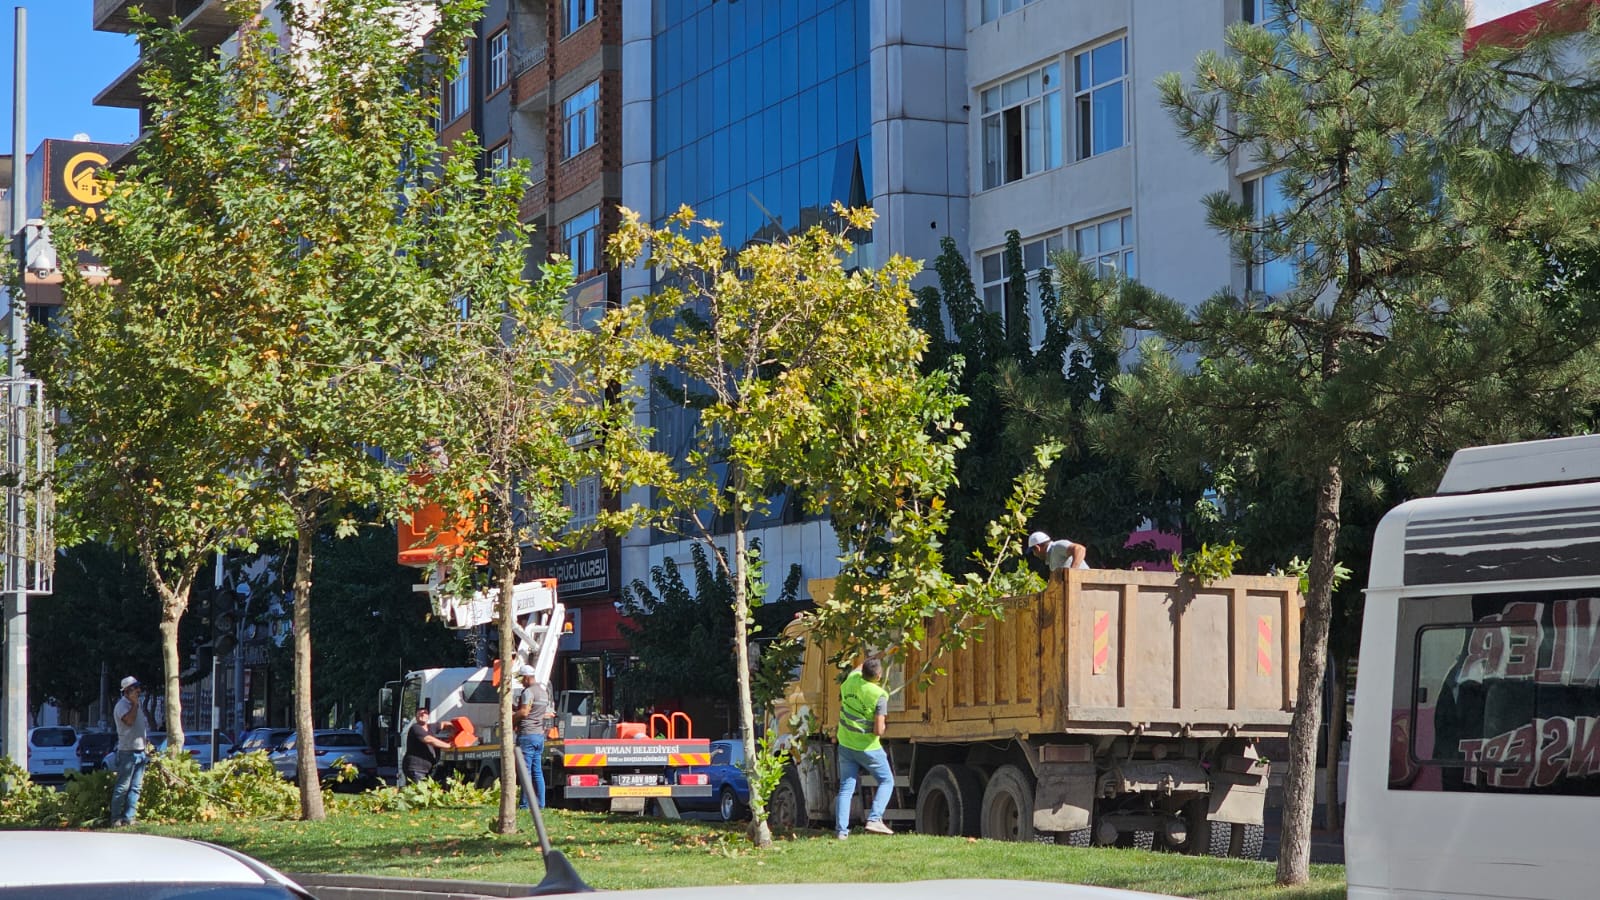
(1498,692)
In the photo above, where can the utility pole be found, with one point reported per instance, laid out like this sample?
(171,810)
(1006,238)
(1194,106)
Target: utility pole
(15,731)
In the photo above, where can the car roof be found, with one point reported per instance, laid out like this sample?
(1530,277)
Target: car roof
(45,858)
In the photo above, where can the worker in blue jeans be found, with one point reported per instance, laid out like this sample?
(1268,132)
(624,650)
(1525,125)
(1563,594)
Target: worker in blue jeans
(133,752)
(530,708)
(863,712)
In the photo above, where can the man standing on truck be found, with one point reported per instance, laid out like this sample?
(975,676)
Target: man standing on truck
(863,712)
(1057,554)
(531,707)
(422,748)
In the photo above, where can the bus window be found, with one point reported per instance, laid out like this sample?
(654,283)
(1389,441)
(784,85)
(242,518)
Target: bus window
(1498,692)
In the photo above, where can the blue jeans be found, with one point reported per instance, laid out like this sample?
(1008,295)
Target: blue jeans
(532,747)
(130,780)
(851,762)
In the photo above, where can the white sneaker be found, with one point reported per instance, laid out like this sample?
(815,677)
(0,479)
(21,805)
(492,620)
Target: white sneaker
(843,835)
(876,826)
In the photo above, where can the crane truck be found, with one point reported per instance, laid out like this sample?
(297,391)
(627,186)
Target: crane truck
(594,758)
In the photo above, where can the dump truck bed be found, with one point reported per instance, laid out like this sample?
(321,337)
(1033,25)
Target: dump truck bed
(1103,652)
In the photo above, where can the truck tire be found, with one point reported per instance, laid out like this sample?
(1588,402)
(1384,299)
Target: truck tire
(1221,839)
(1081,837)
(786,809)
(1008,806)
(1247,841)
(949,802)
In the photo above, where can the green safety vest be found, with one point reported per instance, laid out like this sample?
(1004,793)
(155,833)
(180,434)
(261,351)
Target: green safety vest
(858,711)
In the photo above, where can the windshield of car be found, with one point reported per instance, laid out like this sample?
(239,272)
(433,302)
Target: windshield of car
(341,739)
(54,737)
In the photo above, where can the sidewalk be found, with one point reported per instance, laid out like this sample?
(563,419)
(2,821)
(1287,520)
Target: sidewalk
(1326,847)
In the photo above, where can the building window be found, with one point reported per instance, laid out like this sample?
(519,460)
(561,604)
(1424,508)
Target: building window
(458,92)
(1267,272)
(994,9)
(1022,126)
(997,281)
(580,112)
(1107,246)
(581,236)
(500,160)
(1101,97)
(499,60)
(583,499)
(579,12)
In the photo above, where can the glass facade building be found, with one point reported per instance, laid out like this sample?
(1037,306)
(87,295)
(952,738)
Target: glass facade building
(762,111)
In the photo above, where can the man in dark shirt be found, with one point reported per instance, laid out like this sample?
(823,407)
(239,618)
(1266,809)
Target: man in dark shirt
(422,748)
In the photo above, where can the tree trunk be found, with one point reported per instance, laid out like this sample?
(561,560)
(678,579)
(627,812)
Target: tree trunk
(1299,789)
(311,809)
(760,831)
(1334,818)
(506,564)
(171,689)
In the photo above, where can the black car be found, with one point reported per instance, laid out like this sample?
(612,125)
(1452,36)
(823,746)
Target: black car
(93,747)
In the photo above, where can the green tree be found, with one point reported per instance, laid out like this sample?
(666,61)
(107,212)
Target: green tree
(1426,309)
(788,393)
(289,197)
(530,401)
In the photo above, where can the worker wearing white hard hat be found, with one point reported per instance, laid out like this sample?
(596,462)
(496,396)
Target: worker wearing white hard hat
(1058,554)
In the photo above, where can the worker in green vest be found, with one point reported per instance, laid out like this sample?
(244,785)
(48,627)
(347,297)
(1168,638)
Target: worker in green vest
(863,709)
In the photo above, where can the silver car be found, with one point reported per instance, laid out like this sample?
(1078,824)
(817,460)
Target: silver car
(97,865)
(336,747)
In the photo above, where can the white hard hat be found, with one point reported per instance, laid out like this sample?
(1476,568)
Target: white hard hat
(526,672)
(1037,538)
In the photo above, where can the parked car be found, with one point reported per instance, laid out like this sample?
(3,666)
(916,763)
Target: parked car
(93,747)
(263,739)
(52,752)
(730,787)
(198,745)
(99,865)
(335,747)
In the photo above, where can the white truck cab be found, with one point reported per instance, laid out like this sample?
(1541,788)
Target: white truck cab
(1475,760)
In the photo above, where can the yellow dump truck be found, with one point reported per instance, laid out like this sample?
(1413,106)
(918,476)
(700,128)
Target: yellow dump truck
(1114,707)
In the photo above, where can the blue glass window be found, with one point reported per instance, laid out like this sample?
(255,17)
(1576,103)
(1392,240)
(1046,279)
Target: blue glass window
(1100,93)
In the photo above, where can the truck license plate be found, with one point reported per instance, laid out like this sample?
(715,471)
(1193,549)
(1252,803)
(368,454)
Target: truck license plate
(634,780)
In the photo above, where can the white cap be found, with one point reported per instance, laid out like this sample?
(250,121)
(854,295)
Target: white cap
(129,682)
(1037,538)
(526,672)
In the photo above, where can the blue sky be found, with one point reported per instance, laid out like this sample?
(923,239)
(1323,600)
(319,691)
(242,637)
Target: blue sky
(68,63)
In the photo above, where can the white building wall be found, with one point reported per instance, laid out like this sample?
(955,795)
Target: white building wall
(919,150)
(1155,176)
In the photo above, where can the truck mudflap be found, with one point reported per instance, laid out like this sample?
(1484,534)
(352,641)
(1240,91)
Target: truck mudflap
(580,754)
(1064,797)
(1238,790)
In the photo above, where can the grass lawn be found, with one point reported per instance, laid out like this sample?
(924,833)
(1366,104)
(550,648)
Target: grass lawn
(616,852)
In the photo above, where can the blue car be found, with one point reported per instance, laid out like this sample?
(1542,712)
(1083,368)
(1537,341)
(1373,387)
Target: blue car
(730,787)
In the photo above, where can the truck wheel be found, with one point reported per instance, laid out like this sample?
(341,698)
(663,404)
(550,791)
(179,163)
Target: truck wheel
(786,810)
(1247,841)
(949,802)
(1008,806)
(1221,838)
(1081,837)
